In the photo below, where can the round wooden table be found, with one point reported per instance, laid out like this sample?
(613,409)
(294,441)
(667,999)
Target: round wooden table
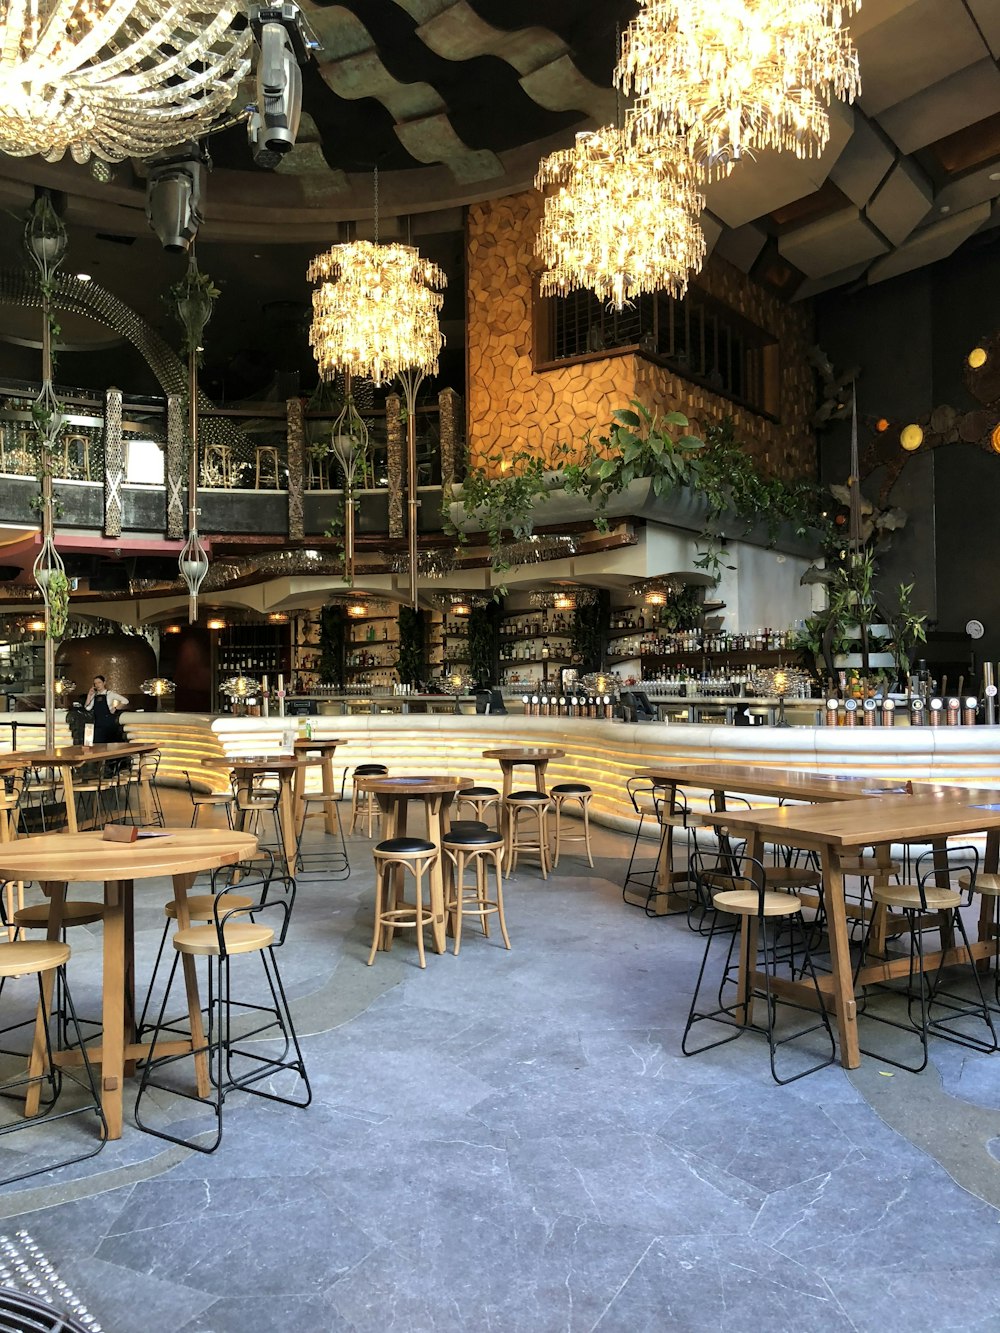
(520,756)
(289,769)
(437,793)
(57,859)
(325,749)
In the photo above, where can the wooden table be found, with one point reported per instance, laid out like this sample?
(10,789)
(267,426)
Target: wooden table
(436,793)
(289,770)
(750,780)
(509,758)
(58,859)
(68,757)
(325,749)
(841,830)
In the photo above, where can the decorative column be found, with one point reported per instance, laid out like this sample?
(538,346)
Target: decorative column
(394,447)
(449,418)
(296,432)
(175,464)
(114,462)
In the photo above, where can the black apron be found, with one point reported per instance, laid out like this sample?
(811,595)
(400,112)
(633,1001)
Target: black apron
(106,726)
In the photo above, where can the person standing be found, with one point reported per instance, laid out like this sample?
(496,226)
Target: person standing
(105,705)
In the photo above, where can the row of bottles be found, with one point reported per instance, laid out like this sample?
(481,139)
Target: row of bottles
(249,660)
(713,643)
(530,652)
(535,626)
(370,659)
(372,634)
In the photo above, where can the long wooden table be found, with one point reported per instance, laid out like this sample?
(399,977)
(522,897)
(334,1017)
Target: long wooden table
(69,757)
(842,830)
(788,784)
(58,859)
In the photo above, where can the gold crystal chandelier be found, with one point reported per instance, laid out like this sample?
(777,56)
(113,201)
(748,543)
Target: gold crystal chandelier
(735,76)
(115,78)
(375,311)
(619,219)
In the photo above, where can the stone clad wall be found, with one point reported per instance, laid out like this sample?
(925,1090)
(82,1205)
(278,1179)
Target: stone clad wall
(511,405)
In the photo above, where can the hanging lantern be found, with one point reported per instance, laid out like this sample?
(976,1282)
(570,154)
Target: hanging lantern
(193,565)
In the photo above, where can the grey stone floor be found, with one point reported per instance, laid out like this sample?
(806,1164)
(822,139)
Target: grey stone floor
(514,1142)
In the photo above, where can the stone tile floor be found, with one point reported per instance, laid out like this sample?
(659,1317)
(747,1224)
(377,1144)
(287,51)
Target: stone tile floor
(514,1142)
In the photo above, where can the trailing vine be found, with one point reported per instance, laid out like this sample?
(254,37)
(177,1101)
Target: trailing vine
(505,503)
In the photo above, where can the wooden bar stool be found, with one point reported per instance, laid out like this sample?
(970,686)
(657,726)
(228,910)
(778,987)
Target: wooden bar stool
(481,799)
(572,791)
(217,465)
(367,808)
(392,857)
(36,958)
(267,467)
(475,847)
(747,911)
(535,838)
(76,456)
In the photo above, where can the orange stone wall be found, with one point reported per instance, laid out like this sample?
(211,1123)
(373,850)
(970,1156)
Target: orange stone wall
(512,406)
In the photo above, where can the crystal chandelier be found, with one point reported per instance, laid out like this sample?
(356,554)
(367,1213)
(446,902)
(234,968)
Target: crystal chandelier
(115,78)
(375,311)
(735,76)
(619,219)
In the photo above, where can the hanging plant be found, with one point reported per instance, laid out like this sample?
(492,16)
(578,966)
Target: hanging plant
(484,643)
(57,590)
(191,302)
(591,623)
(412,661)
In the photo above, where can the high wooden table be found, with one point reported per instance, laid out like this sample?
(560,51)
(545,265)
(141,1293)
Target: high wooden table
(325,749)
(437,794)
(58,859)
(289,769)
(841,830)
(535,757)
(790,784)
(68,757)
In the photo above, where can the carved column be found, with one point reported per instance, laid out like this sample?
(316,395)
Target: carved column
(175,463)
(114,462)
(295,409)
(450,419)
(394,434)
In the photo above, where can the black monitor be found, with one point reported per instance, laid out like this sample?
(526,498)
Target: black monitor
(637,706)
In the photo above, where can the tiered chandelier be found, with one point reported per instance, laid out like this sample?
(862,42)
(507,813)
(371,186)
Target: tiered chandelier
(735,76)
(375,311)
(619,219)
(115,78)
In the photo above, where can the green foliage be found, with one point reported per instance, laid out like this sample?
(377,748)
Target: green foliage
(57,590)
(906,628)
(333,645)
(590,633)
(191,302)
(682,610)
(484,644)
(412,661)
(504,505)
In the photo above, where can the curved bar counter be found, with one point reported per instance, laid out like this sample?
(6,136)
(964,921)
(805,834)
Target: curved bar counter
(603,754)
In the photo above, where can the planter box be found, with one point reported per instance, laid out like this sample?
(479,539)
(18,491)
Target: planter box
(682,509)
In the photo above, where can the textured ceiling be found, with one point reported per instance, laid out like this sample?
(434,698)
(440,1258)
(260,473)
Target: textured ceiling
(456,99)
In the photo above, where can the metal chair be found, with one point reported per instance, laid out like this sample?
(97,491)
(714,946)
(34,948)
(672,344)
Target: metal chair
(240,1057)
(915,901)
(216,800)
(744,909)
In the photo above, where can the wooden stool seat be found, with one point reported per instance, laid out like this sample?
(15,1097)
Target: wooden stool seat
(363,803)
(987,885)
(536,804)
(24,957)
(202,906)
(572,791)
(476,846)
(908,896)
(745,902)
(415,855)
(240,937)
(480,799)
(36,917)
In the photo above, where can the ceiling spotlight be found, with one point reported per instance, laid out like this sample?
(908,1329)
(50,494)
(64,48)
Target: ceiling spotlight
(977,358)
(216,622)
(83,277)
